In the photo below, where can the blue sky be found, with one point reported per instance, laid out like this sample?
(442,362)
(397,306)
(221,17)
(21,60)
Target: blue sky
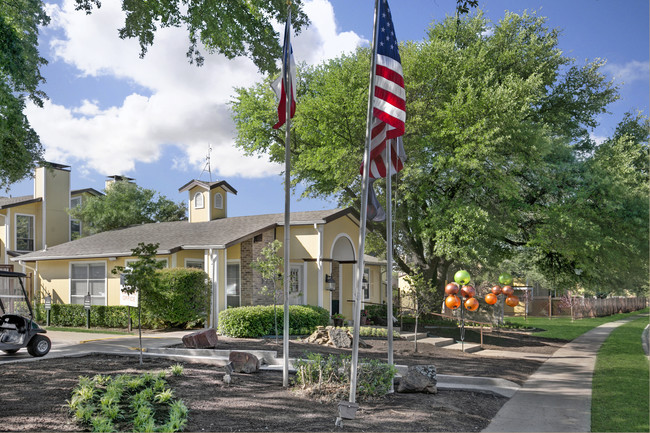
(111,112)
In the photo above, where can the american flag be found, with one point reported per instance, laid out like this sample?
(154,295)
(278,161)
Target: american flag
(389,102)
(278,85)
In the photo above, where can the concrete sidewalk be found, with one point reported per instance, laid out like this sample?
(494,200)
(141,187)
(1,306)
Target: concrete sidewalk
(557,397)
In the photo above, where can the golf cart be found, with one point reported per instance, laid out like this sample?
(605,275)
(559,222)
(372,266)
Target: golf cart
(16,330)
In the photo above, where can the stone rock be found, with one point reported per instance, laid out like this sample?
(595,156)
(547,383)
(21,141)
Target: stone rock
(339,338)
(364,344)
(203,339)
(244,362)
(419,378)
(332,336)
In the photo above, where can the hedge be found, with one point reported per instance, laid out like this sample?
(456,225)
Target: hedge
(180,298)
(258,321)
(114,316)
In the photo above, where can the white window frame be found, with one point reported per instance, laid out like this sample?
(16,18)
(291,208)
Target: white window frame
(238,263)
(198,204)
(191,260)
(366,286)
(33,217)
(301,284)
(70,279)
(218,200)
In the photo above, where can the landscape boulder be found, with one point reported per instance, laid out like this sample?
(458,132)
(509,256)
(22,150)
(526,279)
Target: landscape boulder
(244,362)
(203,339)
(332,336)
(419,378)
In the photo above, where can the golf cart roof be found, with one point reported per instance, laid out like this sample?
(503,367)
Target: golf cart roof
(12,293)
(12,274)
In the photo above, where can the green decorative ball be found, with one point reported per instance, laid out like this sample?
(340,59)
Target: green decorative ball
(505,278)
(462,277)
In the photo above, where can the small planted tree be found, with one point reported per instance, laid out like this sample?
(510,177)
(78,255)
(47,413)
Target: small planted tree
(270,265)
(420,293)
(141,277)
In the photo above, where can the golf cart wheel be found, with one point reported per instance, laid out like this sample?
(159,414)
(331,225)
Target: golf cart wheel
(10,351)
(39,346)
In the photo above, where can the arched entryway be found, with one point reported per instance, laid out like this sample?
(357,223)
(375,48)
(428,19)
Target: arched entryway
(343,254)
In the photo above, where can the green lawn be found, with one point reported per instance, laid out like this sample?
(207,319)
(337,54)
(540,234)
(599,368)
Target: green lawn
(621,382)
(562,328)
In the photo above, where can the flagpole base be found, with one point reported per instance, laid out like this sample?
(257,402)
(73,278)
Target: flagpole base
(347,410)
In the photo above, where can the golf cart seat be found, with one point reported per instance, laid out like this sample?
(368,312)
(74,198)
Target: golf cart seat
(10,322)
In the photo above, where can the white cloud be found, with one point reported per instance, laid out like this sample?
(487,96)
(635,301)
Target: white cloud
(628,72)
(185,107)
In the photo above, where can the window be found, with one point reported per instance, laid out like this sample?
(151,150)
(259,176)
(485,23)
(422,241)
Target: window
(295,285)
(75,225)
(198,200)
(218,201)
(194,263)
(25,232)
(233,285)
(366,283)
(88,278)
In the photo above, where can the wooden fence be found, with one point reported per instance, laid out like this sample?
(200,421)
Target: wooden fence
(582,307)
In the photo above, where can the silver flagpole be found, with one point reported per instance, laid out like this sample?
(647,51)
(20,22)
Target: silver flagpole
(364,210)
(287,198)
(389,253)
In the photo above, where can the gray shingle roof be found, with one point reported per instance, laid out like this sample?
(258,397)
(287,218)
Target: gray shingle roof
(173,236)
(6,202)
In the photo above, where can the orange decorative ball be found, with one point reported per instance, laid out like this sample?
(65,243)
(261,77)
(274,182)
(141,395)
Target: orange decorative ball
(507,290)
(491,299)
(451,289)
(471,304)
(512,301)
(496,290)
(452,302)
(467,291)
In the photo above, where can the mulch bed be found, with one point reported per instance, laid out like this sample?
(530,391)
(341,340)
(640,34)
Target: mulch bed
(34,394)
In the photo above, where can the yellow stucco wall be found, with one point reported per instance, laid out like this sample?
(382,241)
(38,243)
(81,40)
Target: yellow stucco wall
(53,185)
(201,214)
(33,209)
(218,213)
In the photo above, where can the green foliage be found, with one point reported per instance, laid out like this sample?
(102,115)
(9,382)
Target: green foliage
(379,313)
(20,77)
(372,332)
(230,27)
(563,328)
(258,321)
(180,297)
(270,266)
(620,384)
(498,148)
(127,403)
(330,376)
(177,369)
(113,316)
(125,204)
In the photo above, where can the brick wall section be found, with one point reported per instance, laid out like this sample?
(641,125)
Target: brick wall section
(246,272)
(251,280)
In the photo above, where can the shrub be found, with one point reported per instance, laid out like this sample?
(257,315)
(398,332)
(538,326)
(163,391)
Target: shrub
(257,321)
(377,313)
(114,316)
(329,377)
(181,297)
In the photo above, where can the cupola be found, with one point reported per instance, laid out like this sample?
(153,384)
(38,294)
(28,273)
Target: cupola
(207,200)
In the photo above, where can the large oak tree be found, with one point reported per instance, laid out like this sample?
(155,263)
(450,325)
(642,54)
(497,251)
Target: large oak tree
(20,78)
(498,146)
